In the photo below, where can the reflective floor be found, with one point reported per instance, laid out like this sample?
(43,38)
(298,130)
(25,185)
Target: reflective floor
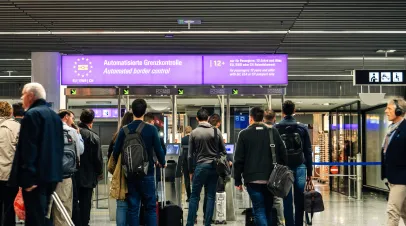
(340,210)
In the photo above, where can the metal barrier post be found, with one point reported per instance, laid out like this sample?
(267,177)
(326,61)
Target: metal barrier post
(359,177)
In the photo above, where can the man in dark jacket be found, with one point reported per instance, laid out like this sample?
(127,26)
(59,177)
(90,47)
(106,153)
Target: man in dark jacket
(393,161)
(253,162)
(37,166)
(290,125)
(91,165)
(203,147)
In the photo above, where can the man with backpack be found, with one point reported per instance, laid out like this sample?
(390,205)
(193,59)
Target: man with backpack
(137,141)
(299,149)
(73,148)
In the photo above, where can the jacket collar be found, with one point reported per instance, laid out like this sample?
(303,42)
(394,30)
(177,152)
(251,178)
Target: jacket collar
(84,126)
(37,103)
(205,124)
(289,118)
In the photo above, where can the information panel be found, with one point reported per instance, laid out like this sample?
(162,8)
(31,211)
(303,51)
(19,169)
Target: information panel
(245,69)
(380,77)
(132,70)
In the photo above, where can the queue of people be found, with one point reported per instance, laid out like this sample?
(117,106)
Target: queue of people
(34,141)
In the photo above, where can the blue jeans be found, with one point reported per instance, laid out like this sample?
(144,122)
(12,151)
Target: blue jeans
(121,213)
(141,189)
(205,175)
(298,189)
(262,202)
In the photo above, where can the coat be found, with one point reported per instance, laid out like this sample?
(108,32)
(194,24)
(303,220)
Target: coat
(118,187)
(91,161)
(38,158)
(9,130)
(393,162)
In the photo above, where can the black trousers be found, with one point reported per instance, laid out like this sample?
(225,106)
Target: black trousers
(186,177)
(85,204)
(75,204)
(7,196)
(36,204)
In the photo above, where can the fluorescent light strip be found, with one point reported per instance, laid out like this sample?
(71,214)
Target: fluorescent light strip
(15,76)
(192,32)
(14,59)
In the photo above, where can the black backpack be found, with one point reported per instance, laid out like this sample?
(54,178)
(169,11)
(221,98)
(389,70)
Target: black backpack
(291,136)
(135,155)
(69,160)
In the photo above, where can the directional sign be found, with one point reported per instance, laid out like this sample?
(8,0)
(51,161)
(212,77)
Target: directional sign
(180,91)
(380,77)
(126,91)
(235,91)
(73,92)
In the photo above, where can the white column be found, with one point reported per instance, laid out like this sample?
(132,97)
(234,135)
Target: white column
(46,70)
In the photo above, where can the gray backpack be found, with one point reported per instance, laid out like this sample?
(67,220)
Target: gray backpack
(135,155)
(281,180)
(69,160)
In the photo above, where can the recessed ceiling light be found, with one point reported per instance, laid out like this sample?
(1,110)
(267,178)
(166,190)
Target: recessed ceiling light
(299,102)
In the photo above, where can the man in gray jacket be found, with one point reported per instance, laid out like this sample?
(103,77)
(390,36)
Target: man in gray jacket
(203,148)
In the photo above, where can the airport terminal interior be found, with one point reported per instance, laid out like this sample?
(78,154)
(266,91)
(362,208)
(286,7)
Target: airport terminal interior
(340,62)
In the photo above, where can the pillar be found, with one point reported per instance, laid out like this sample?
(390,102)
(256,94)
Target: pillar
(46,70)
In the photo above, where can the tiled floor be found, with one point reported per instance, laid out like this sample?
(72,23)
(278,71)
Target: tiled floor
(340,210)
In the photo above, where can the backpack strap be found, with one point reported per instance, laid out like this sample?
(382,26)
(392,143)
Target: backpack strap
(216,142)
(140,127)
(272,145)
(126,130)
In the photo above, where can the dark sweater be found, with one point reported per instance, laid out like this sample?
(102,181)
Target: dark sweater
(253,156)
(307,144)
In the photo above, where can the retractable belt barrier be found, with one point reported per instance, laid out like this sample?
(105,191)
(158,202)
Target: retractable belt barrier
(346,163)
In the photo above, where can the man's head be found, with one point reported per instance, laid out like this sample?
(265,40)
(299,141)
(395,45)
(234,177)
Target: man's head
(270,116)
(256,114)
(202,115)
(215,120)
(18,110)
(6,110)
(139,107)
(67,117)
(188,130)
(395,110)
(31,93)
(87,117)
(149,118)
(288,108)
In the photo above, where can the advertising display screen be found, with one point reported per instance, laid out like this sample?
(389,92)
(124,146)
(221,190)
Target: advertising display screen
(245,69)
(132,70)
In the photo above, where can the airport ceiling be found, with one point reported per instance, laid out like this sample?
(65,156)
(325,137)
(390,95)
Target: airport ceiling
(322,37)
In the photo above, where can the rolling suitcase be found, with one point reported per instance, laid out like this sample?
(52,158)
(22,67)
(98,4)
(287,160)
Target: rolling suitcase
(61,208)
(220,216)
(169,213)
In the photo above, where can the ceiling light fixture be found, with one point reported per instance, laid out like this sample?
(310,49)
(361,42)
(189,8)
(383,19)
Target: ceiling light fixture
(191,32)
(386,51)
(13,59)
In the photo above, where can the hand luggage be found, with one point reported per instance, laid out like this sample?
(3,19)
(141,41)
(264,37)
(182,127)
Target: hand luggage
(61,208)
(220,214)
(313,202)
(169,213)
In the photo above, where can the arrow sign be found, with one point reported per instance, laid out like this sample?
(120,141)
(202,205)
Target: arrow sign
(126,92)
(235,91)
(73,92)
(180,92)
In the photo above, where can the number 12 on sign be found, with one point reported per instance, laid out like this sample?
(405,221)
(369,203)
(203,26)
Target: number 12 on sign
(216,63)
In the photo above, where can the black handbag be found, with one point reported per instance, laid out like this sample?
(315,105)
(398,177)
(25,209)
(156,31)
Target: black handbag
(281,180)
(313,202)
(222,166)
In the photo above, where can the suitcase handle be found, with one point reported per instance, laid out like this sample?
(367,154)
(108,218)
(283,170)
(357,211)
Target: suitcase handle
(61,208)
(163,188)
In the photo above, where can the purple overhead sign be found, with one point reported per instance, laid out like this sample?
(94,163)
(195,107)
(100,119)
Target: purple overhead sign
(246,69)
(108,70)
(132,70)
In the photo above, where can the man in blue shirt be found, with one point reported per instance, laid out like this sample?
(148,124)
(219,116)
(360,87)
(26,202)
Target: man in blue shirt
(142,188)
